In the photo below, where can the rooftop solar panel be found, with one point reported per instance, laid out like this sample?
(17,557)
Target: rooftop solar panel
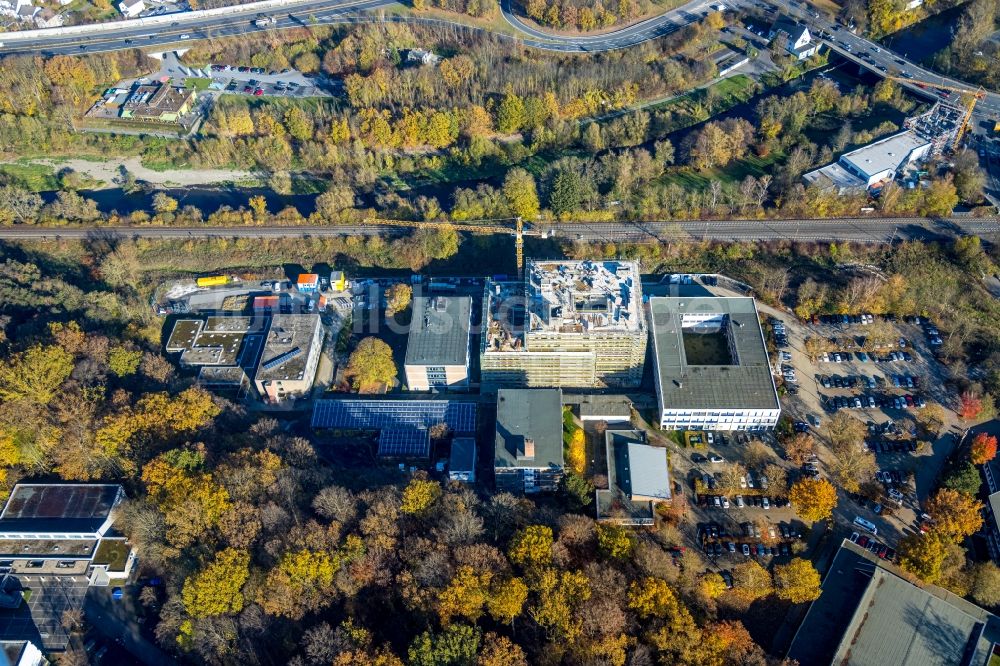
(30,501)
(394,414)
(281,358)
(410,443)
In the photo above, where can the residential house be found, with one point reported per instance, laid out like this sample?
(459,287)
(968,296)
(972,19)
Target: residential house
(798,41)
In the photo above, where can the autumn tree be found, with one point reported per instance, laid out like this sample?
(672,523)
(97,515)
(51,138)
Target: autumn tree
(191,501)
(955,514)
(419,495)
(844,432)
(397,298)
(531,546)
(798,581)
(751,580)
(813,499)
(35,375)
(499,650)
(799,447)
(506,599)
(756,454)
(923,554)
(301,582)
(217,589)
(614,541)
(371,364)
(124,361)
(852,466)
(713,585)
(970,405)
(986,584)
(559,594)
(983,448)
(651,597)
(521,194)
(576,455)
(465,595)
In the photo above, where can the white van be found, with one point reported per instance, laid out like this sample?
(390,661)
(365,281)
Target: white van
(866,524)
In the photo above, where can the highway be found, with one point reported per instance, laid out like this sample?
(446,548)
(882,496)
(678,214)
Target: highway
(862,230)
(194,25)
(118,35)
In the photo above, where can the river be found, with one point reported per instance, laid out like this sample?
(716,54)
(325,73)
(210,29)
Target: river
(923,40)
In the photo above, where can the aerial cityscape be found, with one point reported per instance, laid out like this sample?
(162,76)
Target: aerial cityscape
(500,332)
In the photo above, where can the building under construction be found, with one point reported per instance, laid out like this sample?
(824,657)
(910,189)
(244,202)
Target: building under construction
(572,324)
(937,125)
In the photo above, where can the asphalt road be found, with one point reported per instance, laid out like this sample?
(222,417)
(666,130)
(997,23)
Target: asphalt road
(874,230)
(117,35)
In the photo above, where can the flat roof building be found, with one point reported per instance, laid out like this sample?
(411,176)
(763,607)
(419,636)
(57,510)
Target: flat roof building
(403,425)
(638,479)
(570,324)
(57,539)
(437,347)
(462,461)
(528,445)
(869,616)
(291,354)
(160,102)
(210,341)
(711,367)
(873,165)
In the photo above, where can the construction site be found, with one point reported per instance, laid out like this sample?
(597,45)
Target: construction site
(568,324)
(938,126)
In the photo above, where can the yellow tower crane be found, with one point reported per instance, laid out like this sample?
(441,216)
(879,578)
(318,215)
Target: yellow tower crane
(517,231)
(973,97)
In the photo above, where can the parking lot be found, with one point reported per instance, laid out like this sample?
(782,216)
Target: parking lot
(883,372)
(245,80)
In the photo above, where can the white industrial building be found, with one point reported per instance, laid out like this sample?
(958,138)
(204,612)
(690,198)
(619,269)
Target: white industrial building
(874,165)
(711,365)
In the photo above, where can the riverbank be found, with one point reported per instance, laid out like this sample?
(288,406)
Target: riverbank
(108,172)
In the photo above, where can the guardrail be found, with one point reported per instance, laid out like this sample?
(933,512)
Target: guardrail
(155,21)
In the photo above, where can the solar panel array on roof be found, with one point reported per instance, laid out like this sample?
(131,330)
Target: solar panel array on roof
(63,500)
(394,414)
(281,358)
(408,443)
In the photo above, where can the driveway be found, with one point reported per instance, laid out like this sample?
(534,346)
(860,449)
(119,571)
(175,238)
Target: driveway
(116,620)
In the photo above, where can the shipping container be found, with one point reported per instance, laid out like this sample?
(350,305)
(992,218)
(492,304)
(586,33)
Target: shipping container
(212,281)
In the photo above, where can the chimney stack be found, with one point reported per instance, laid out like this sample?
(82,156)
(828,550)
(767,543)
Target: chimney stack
(528,452)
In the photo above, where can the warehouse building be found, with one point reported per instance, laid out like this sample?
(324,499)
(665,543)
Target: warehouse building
(571,324)
(872,166)
(711,366)
(291,354)
(867,615)
(437,348)
(528,445)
